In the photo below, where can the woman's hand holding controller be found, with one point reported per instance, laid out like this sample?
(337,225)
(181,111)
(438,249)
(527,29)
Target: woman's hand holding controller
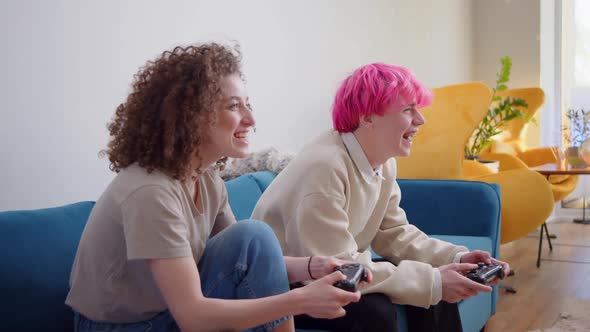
(320,266)
(320,299)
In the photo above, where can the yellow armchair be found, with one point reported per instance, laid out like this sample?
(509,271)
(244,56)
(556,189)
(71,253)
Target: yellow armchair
(512,142)
(438,153)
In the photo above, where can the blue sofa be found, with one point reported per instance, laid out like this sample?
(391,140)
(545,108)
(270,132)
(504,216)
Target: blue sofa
(37,247)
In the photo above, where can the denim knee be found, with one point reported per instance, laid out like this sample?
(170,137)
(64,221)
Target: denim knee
(251,230)
(244,261)
(259,247)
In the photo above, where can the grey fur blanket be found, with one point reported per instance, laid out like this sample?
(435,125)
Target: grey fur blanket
(269,159)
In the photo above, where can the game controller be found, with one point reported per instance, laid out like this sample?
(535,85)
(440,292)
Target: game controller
(355,273)
(486,273)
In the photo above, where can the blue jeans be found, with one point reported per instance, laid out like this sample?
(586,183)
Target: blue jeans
(243,261)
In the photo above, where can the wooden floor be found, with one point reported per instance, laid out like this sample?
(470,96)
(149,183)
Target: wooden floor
(541,292)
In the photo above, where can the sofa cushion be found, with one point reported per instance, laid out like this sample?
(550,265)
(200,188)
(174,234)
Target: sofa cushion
(263,179)
(243,193)
(37,251)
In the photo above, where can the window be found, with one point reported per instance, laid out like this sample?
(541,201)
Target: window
(571,79)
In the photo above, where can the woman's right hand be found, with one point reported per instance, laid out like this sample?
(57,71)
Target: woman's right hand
(321,299)
(320,266)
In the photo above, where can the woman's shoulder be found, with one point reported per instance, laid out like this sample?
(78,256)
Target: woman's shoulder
(135,178)
(326,150)
(140,175)
(322,162)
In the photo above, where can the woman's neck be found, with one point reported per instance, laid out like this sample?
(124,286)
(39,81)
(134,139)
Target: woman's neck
(368,146)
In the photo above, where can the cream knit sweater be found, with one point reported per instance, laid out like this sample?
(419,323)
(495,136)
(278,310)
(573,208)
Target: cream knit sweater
(328,201)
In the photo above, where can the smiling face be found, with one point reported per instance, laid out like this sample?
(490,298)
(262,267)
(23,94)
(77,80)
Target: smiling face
(389,135)
(228,137)
(393,132)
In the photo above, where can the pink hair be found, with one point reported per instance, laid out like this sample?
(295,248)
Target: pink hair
(373,87)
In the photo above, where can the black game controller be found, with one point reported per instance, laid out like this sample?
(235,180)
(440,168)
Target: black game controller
(484,274)
(355,273)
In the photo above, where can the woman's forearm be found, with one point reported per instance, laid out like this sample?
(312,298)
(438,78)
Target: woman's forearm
(180,285)
(309,268)
(219,314)
(297,269)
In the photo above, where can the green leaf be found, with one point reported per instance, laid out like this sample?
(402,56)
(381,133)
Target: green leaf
(520,102)
(501,110)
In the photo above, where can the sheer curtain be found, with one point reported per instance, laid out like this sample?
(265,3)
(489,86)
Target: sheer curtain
(578,58)
(568,82)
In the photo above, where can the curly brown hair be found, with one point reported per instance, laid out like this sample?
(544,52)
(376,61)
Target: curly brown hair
(166,116)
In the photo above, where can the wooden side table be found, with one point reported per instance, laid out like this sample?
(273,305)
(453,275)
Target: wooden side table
(552,169)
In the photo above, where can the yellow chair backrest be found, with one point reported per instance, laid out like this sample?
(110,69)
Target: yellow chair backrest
(514,131)
(438,153)
(438,148)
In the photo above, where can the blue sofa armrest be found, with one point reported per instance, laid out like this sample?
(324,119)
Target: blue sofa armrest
(453,207)
(37,249)
(462,212)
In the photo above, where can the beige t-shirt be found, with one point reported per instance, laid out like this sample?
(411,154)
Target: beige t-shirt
(141,216)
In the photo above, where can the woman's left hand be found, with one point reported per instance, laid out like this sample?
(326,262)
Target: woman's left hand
(323,265)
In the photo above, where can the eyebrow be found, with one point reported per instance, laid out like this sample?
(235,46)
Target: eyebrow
(233,98)
(236,98)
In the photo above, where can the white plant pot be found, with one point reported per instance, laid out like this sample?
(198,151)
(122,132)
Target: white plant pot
(493,165)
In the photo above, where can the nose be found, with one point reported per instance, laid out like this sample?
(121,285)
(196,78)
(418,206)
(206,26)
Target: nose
(419,118)
(248,118)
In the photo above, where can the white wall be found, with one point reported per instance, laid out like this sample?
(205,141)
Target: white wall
(550,57)
(66,64)
(509,27)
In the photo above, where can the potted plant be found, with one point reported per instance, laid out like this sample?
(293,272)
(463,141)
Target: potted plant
(500,111)
(575,132)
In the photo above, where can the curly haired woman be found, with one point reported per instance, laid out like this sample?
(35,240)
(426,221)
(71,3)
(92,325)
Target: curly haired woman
(161,248)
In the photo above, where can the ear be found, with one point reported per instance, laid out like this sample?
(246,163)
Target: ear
(366,121)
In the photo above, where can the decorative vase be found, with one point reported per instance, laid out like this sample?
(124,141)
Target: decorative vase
(584,152)
(573,157)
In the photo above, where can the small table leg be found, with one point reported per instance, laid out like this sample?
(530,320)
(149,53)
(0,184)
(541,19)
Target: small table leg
(549,237)
(583,220)
(540,247)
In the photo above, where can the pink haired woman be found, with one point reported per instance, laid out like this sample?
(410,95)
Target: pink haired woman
(339,196)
